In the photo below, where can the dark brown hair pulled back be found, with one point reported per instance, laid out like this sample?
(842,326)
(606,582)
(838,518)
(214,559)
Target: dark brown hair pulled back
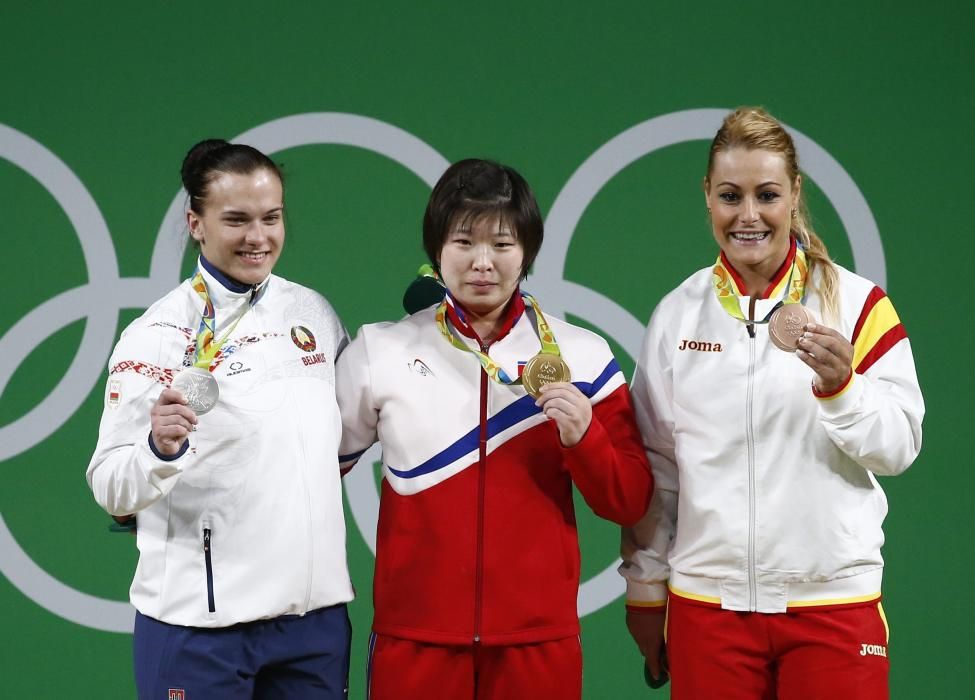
(211,157)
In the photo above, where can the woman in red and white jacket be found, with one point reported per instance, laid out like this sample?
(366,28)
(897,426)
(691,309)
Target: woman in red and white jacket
(766,520)
(477,562)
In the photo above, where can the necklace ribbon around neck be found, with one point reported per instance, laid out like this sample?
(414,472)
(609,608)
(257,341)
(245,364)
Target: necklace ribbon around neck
(491,368)
(207,345)
(792,288)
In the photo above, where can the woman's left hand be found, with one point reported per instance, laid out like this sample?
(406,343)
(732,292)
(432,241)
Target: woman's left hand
(569,408)
(829,354)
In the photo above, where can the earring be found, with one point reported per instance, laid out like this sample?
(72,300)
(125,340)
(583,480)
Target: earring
(795,213)
(709,211)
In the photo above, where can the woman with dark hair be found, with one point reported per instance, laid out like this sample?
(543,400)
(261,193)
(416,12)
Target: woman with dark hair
(772,390)
(487,412)
(220,433)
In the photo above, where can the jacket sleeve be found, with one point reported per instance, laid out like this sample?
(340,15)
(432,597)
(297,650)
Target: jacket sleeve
(126,474)
(645,546)
(353,389)
(608,465)
(876,417)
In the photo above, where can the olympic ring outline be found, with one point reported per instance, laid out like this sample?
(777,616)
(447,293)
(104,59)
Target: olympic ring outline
(385,139)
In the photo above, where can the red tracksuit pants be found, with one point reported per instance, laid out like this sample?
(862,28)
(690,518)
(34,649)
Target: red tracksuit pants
(402,669)
(813,654)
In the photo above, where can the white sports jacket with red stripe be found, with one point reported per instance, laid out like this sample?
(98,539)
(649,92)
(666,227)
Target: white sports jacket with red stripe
(766,496)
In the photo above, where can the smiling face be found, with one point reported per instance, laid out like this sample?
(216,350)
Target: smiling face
(481,264)
(241,227)
(751,197)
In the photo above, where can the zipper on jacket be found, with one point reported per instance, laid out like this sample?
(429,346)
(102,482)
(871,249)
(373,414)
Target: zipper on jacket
(750,438)
(481,479)
(209,566)
(310,532)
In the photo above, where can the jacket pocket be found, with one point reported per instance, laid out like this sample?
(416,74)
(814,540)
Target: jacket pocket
(208,562)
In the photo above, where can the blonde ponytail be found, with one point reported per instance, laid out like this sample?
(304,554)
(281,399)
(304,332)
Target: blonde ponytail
(828,285)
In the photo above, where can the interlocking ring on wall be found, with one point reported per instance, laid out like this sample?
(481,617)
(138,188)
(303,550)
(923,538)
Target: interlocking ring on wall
(98,301)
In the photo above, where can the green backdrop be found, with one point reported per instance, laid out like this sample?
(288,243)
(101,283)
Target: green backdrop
(603,109)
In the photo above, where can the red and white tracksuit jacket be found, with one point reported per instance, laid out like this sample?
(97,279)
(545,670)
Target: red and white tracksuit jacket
(477,536)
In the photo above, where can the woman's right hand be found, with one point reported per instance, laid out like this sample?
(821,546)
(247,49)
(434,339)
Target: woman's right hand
(647,630)
(172,422)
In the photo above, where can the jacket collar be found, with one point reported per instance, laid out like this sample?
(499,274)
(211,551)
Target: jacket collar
(458,317)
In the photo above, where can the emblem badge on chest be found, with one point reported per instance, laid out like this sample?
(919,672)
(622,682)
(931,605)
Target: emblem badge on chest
(303,338)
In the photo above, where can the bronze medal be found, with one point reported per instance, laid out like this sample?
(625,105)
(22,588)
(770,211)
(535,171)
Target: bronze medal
(787,325)
(543,369)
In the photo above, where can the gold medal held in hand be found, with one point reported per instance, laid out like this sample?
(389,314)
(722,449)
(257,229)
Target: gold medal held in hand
(543,369)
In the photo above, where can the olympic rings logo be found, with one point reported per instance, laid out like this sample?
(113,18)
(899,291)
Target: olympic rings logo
(98,301)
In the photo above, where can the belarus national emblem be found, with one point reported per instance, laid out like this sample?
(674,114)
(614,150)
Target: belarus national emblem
(303,338)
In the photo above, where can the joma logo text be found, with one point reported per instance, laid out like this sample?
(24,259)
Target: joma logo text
(699,345)
(873,650)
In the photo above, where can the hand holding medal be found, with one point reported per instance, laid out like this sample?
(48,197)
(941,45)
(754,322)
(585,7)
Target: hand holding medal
(571,410)
(172,422)
(194,390)
(828,353)
(546,377)
(197,384)
(793,328)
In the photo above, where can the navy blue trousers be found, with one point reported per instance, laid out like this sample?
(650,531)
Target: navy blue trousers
(286,657)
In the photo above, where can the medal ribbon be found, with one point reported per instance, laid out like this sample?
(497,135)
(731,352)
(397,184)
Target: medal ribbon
(207,346)
(491,368)
(792,287)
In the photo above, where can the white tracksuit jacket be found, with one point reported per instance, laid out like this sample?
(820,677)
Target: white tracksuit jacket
(766,495)
(260,477)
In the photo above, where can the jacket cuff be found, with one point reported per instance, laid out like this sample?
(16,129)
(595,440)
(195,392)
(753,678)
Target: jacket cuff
(590,446)
(646,597)
(163,471)
(843,401)
(168,458)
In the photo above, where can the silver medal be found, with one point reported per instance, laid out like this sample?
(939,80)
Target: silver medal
(198,387)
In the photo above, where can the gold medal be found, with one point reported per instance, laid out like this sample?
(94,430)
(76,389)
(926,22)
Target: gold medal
(543,369)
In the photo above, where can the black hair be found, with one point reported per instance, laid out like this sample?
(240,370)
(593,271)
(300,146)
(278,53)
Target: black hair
(474,188)
(210,157)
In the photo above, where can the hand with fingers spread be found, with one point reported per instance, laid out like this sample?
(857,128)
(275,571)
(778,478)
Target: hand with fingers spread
(569,408)
(829,354)
(172,422)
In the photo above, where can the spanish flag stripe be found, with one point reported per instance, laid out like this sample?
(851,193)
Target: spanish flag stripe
(886,342)
(781,276)
(736,279)
(875,295)
(881,319)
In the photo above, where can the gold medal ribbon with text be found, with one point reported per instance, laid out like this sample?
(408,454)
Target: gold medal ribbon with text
(207,346)
(491,368)
(792,287)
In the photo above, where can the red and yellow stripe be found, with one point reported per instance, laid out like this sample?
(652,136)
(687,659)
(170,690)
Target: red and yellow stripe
(877,330)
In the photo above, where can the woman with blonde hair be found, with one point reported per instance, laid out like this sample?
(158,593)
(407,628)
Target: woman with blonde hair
(762,541)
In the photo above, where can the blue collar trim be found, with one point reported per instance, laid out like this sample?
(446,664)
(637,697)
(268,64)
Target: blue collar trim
(228,282)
